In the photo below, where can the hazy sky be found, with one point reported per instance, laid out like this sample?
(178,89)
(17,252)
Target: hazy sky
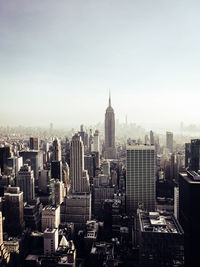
(58,59)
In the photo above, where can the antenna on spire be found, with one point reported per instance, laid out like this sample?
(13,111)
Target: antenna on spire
(109,98)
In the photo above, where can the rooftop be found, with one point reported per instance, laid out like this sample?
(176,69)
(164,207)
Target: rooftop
(49,230)
(159,223)
(191,177)
(140,147)
(50,208)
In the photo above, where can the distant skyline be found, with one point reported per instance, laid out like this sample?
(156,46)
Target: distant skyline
(58,60)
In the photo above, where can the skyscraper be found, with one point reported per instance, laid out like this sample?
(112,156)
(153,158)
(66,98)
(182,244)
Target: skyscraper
(187,154)
(34,143)
(13,211)
(195,155)
(169,141)
(189,216)
(77,205)
(5,153)
(56,156)
(82,134)
(56,170)
(35,158)
(1,228)
(110,151)
(79,177)
(151,138)
(96,141)
(140,177)
(25,180)
(161,240)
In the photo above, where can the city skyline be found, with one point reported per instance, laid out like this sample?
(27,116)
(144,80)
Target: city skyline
(59,55)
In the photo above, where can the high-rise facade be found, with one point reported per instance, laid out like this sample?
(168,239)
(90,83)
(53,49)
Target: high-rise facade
(110,151)
(79,177)
(56,170)
(15,163)
(77,205)
(169,141)
(34,143)
(25,180)
(1,228)
(5,153)
(35,158)
(56,156)
(50,217)
(195,155)
(140,177)
(96,141)
(50,241)
(187,154)
(152,142)
(189,216)
(161,240)
(13,211)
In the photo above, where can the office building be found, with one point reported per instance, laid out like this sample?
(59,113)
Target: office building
(189,216)
(76,208)
(187,154)
(89,165)
(32,214)
(90,140)
(79,177)
(50,217)
(13,211)
(169,141)
(5,153)
(100,194)
(152,142)
(106,167)
(140,177)
(96,156)
(25,180)
(77,205)
(195,155)
(46,188)
(1,228)
(161,240)
(110,150)
(43,180)
(96,145)
(176,202)
(34,143)
(4,254)
(35,159)
(56,170)
(82,133)
(50,241)
(56,154)
(15,163)
(60,192)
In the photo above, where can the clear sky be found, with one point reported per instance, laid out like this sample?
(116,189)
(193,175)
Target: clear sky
(58,59)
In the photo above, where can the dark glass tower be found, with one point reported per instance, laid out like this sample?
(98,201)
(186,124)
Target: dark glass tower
(189,216)
(195,155)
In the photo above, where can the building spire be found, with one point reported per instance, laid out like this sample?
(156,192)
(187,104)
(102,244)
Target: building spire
(109,99)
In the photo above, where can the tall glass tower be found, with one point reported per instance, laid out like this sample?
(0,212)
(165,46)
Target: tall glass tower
(140,177)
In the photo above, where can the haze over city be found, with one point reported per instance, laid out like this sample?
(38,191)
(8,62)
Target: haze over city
(60,58)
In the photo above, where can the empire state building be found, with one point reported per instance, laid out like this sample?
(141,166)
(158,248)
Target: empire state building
(110,151)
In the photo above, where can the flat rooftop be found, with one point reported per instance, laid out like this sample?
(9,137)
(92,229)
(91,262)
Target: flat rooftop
(50,208)
(140,147)
(159,223)
(191,177)
(50,230)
